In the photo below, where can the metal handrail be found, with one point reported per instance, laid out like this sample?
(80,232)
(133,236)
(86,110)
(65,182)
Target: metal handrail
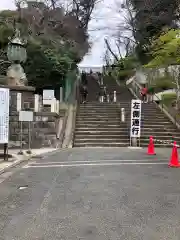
(162,106)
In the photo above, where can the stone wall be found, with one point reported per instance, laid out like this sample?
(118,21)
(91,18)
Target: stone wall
(43,130)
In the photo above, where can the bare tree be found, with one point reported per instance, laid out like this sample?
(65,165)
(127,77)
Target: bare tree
(82,10)
(110,50)
(106,58)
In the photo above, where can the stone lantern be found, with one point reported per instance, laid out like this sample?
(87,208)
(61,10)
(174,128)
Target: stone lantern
(16,53)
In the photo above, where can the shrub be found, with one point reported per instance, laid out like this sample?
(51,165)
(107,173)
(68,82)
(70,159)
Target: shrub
(163,83)
(169,98)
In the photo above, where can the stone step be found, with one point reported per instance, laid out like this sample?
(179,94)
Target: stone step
(125,135)
(160,137)
(103,108)
(97,115)
(157,145)
(101,141)
(89,113)
(110,125)
(143,142)
(109,107)
(153,121)
(92,118)
(125,132)
(149,124)
(116,118)
(101,145)
(161,128)
(118,145)
(100,131)
(101,128)
(160,133)
(97,121)
(100,136)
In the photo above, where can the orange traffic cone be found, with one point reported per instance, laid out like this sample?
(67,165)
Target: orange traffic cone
(174,162)
(150,150)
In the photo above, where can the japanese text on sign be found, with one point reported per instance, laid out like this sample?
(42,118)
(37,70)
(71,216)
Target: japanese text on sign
(135,118)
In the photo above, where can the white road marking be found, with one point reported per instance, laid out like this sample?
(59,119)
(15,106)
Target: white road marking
(95,164)
(134,147)
(93,161)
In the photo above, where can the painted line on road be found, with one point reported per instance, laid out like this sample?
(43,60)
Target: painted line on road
(94,161)
(95,164)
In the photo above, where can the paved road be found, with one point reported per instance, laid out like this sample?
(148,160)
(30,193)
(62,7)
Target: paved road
(92,194)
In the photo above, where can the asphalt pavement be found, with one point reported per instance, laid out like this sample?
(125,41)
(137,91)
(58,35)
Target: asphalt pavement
(92,194)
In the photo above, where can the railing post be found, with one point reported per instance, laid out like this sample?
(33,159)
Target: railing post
(114,99)
(122,115)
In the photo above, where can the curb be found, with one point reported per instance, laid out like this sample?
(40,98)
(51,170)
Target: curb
(15,163)
(25,157)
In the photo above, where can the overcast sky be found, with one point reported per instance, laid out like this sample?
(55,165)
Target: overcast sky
(104,16)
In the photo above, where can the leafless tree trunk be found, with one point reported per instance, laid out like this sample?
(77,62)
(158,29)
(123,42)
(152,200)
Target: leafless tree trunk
(110,50)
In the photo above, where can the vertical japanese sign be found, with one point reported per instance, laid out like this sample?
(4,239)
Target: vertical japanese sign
(135,118)
(4,115)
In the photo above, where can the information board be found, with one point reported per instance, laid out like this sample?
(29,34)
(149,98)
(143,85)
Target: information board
(4,115)
(48,96)
(26,116)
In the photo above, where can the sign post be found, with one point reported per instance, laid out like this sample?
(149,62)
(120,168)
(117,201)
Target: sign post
(135,131)
(4,119)
(26,116)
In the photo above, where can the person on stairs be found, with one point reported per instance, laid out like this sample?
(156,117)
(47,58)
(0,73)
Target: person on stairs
(84,93)
(105,94)
(84,78)
(143,93)
(101,94)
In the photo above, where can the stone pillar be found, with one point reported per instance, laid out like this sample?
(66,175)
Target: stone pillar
(61,95)
(36,103)
(57,106)
(53,105)
(19,101)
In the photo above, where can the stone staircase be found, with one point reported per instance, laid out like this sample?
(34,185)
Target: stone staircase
(98,125)
(122,92)
(157,124)
(153,122)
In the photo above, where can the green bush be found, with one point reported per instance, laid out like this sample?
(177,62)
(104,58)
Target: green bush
(163,83)
(168,98)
